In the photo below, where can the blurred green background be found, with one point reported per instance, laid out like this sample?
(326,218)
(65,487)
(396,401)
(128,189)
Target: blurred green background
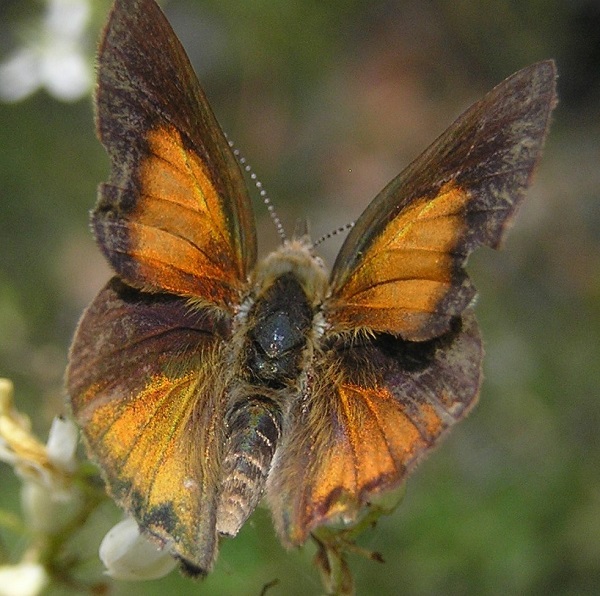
(328,101)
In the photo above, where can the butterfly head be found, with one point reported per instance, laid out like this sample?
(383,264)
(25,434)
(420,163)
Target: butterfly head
(296,256)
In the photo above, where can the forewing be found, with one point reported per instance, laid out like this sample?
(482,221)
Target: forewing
(401,269)
(145,384)
(376,408)
(175,214)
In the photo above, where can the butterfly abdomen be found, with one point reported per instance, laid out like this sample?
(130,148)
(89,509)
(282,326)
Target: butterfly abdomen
(254,431)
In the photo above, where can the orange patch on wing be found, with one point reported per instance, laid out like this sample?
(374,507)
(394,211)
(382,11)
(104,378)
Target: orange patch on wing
(142,434)
(407,270)
(371,451)
(178,234)
(144,446)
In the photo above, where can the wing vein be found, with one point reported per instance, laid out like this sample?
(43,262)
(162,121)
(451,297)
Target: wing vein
(379,425)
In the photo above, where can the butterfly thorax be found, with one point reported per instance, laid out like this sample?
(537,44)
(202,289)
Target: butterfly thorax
(280,318)
(288,289)
(278,327)
(274,336)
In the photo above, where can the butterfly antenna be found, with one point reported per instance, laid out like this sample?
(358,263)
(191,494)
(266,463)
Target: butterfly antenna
(262,192)
(329,235)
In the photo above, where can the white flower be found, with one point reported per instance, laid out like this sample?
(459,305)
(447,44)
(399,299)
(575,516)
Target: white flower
(24,579)
(50,465)
(48,496)
(129,555)
(62,444)
(54,59)
(46,511)
(18,446)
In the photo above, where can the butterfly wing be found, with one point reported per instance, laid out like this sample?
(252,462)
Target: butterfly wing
(146,366)
(401,268)
(175,214)
(379,401)
(145,379)
(376,407)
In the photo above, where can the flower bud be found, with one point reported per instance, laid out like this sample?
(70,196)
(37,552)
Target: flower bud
(62,444)
(24,579)
(129,555)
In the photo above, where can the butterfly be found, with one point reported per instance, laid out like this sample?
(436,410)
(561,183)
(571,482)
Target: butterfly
(205,380)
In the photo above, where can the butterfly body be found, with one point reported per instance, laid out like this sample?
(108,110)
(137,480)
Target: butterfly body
(276,331)
(204,380)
